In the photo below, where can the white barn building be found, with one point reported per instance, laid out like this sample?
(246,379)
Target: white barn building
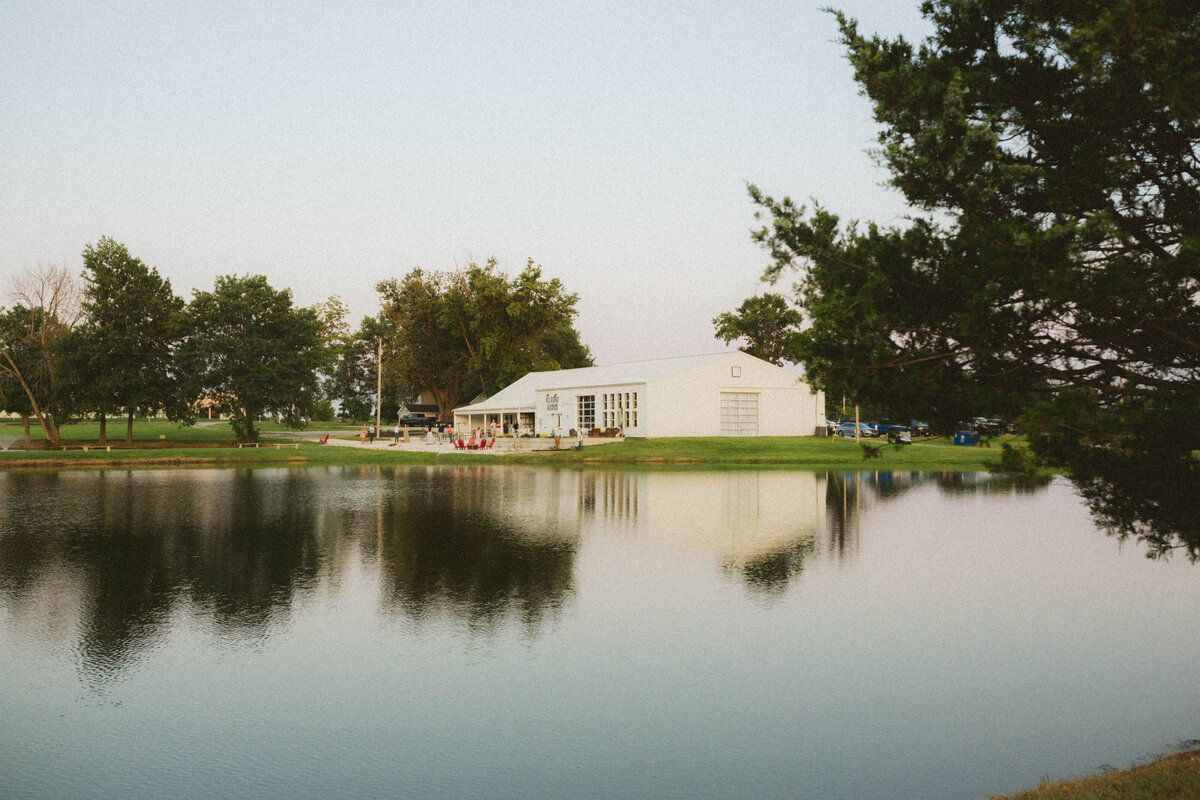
(726,394)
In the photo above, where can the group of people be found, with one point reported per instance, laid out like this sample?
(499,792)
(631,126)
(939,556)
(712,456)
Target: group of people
(558,437)
(433,434)
(444,432)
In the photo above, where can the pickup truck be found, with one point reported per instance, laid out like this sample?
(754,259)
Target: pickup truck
(416,421)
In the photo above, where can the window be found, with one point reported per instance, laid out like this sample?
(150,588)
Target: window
(585,411)
(735,372)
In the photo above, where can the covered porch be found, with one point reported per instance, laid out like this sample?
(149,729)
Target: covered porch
(502,419)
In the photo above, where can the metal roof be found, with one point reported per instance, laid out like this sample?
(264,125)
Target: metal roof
(520,395)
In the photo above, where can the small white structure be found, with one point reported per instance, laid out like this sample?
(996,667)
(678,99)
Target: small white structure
(726,394)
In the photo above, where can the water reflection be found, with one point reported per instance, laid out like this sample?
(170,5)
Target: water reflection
(1150,500)
(482,545)
(106,559)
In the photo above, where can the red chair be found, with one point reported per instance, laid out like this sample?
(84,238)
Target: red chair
(489,444)
(324,438)
(458,444)
(472,444)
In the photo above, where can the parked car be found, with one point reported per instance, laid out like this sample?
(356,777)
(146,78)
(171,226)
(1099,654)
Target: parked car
(919,428)
(887,426)
(847,429)
(416,421)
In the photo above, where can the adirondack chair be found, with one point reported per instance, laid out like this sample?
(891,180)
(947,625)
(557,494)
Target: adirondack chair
(472,444)
(324,439)
(458,444)
(490,442)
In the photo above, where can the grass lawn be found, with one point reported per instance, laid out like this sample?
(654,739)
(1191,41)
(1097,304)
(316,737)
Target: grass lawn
(224,425)
(800,451)
(1174,777)
(182,445)
(143,431)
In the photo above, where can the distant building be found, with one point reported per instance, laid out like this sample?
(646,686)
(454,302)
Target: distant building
(425,403)
(727,394)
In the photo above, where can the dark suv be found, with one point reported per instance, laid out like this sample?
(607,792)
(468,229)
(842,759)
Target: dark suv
(416,421)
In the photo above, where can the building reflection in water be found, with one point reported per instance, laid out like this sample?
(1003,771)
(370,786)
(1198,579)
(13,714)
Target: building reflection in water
(106,559)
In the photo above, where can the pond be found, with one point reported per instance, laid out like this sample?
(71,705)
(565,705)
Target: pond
(527,632)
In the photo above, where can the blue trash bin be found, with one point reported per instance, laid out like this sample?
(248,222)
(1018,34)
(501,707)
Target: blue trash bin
(966,438)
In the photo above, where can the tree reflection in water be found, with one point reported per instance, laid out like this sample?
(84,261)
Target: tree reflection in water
(455,549)
(118,552)
(1153,502)
(129,548)
(132,545)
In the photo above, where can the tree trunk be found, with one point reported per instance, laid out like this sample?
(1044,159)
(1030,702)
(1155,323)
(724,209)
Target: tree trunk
(103,440)
(129,428)
(51,429)
(25,425)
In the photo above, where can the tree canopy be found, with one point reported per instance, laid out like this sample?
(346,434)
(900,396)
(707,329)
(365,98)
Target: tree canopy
(1050,153)
(251,351)
(475,330)
(32,335)
(124,354)
(767,322)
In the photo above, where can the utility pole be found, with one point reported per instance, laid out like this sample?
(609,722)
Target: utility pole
(378,383)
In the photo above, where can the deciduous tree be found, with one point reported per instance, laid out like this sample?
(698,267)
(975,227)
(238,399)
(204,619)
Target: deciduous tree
(768,324)
(32,332)
(476,330)
(251,351)
(126,348)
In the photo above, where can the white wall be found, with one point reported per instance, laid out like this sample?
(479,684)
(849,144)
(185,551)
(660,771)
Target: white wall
(689,403)
(568,407)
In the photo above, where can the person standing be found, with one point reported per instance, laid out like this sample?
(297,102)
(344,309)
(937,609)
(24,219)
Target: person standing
(371,433)
(396,433)
(579,439)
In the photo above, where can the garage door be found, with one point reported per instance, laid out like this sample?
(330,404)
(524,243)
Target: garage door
(739,414)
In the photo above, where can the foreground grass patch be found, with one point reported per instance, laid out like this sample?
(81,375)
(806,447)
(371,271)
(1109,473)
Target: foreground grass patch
(159,444)
(800,451)
(1174,777)
(143,431)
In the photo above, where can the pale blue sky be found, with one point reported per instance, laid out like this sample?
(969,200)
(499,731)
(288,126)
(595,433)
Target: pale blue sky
(330,147)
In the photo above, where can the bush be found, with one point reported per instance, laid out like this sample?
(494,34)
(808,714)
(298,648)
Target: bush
(1016,459)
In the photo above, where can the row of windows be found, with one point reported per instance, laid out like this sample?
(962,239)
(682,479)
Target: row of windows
(619,401)
(620,419)
(619,410)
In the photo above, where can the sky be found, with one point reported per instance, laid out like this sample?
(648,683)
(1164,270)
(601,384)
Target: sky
(331,146)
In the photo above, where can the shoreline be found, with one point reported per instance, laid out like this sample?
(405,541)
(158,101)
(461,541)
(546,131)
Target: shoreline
(1175,776)
(806,453)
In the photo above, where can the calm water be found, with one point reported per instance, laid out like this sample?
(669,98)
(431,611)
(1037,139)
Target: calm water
(525,633)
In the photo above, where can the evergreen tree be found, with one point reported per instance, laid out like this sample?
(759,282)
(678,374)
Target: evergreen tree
(1051,156)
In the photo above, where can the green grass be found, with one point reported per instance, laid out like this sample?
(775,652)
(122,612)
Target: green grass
(143,431)
(224,425)
(1174,777)
(806,451)
(188,445)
